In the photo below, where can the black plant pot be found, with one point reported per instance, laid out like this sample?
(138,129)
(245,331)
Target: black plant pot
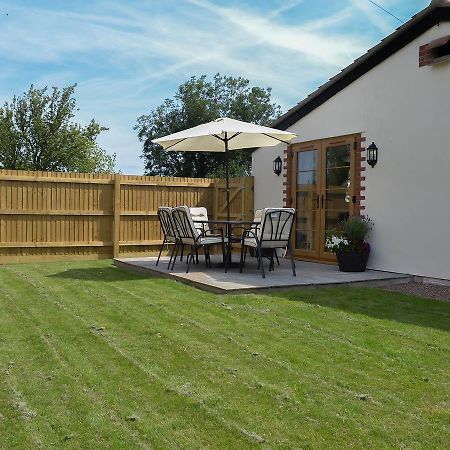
(352,261)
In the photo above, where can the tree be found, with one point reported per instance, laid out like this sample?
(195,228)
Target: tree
(37,133)
(198,101)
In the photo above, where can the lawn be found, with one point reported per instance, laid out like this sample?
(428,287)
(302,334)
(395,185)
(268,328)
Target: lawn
(93,357)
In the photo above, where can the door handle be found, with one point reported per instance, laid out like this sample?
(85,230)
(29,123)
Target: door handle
(317,201)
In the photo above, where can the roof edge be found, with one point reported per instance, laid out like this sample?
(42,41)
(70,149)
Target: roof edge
(415,27)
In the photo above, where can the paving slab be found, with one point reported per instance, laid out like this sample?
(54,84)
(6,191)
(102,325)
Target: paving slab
(309,274)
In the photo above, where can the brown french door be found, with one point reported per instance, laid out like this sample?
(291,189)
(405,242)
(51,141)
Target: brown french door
(322,190)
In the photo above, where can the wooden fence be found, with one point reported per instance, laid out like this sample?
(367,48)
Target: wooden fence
(46,215)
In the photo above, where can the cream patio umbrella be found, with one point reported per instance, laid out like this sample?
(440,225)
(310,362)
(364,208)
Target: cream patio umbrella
(222,135)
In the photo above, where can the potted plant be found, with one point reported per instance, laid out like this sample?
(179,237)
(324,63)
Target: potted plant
(349,245)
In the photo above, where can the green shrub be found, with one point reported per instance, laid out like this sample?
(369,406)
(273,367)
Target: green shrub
(356,228)
(350,235)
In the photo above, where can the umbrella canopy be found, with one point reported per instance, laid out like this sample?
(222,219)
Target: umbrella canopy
(222,135)
(210,137)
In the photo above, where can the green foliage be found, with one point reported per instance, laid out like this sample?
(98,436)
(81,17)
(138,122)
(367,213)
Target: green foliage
(198,101)
(350,235)
(356,228)
(37,133)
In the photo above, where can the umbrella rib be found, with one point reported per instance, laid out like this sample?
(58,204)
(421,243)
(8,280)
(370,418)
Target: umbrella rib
(281,140)
(176,143)
(234,135)
(227,139)
(238,133)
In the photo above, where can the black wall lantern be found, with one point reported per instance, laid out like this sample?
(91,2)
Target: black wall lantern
(277,165)
(372,154)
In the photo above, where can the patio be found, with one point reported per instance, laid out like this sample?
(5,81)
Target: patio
(214,279)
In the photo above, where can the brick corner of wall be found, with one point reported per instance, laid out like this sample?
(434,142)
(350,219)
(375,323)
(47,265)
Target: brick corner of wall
(359,175)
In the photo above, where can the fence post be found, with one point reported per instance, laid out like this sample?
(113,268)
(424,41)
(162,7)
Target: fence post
(248,206)
(116,229)
(215,199)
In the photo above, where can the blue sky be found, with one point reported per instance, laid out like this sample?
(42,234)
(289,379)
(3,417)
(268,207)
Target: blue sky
(128,56)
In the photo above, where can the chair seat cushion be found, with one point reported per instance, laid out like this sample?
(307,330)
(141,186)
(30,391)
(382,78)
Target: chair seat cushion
(209,240)
(251,242)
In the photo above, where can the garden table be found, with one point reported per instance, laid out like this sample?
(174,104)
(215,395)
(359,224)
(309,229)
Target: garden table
(230,225)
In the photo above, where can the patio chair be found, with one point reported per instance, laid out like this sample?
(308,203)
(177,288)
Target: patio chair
(258,214)
(257,219)
(200,213)
(273,233)
(169,231)
(189,235)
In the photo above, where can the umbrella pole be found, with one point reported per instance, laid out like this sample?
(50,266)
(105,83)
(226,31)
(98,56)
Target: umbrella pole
(227,181)
(227,178)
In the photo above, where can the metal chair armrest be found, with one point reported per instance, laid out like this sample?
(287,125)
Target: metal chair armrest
(220,230)
(205,234)
(249,233)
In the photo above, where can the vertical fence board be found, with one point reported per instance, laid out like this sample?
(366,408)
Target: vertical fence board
(116,220)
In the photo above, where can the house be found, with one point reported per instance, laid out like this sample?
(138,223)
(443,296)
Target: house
(396,96)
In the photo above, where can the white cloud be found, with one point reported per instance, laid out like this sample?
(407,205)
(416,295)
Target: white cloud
(285,6)
(380,19)
(128,57)
(320,48)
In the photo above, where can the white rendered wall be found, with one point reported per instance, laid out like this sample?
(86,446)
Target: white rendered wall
(268,185)
(406,111)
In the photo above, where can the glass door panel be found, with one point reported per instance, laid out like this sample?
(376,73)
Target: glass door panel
(307,199)
(322,191)
(333,218)
(337,199)
(336,196)
(338,177)
(338,156)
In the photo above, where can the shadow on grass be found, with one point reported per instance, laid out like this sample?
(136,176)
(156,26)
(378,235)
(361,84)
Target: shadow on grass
(105,274)
(376,303)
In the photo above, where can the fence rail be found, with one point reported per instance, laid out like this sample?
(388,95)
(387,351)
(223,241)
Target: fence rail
(46,215)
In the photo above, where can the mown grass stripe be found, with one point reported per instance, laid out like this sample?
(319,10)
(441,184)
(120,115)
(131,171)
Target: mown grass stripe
(49,366)
(192,407)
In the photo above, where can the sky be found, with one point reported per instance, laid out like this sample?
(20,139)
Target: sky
(128,56)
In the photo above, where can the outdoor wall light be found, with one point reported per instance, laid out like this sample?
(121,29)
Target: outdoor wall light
(277,165)
(372,154)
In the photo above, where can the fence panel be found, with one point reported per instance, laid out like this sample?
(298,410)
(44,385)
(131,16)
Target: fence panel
(45,215)
(241,199)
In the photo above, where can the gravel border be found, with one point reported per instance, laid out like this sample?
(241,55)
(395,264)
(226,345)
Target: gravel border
(434,291)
